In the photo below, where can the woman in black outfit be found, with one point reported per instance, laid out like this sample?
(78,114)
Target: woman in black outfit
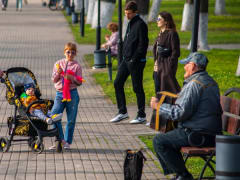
(166,51)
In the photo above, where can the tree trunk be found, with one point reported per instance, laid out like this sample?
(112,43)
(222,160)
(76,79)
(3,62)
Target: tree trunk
(238,68)
(154,10)
(220,7)
(202,33)
(78,5)
(187,18)
(91,4)
(144,17)
(86,2)
(106,12)
(124,26)
(143,6)
(203,26)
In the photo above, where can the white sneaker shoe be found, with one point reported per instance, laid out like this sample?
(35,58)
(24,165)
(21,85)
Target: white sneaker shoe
(119,117)
(66,146)
(52,147)
(148,124)
(138,120)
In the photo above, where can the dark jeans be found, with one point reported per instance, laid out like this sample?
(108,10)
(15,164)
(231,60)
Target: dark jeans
(167,147)
(136,71)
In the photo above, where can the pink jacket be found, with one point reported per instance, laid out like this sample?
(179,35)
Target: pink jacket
(58,79)
(112,42)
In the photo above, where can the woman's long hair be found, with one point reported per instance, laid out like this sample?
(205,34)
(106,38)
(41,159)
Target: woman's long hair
(169,20)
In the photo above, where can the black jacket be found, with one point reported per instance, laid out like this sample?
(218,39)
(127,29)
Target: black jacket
(135,43)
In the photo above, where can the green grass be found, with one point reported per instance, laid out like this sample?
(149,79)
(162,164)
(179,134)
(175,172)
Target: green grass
(221,29)
(194,165)
(222,67)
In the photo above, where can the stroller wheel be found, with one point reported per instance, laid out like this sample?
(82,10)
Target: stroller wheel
(59,146)
(4,144)
(37,147)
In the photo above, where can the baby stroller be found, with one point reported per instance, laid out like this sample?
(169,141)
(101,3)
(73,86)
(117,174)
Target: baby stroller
(22,123)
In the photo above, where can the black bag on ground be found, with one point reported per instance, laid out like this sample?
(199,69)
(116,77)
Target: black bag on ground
(133,165)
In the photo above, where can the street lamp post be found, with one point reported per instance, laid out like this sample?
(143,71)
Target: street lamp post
(99,55)
(98,30)
(82,19)
(195,26)
(120,43)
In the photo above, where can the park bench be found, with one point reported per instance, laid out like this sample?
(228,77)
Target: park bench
(230,125)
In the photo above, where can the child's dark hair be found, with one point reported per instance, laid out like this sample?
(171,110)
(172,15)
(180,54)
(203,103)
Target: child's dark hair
(29,85)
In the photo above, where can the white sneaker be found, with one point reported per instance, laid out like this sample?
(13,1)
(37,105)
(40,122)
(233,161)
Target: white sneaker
(52,147)
(138,120)
(66,146)
(119,117)
(148,124)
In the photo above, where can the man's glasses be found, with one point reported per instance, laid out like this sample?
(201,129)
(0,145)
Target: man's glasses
(159,19)
(71,52)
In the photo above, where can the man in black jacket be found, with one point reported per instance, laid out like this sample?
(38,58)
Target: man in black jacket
(134,59)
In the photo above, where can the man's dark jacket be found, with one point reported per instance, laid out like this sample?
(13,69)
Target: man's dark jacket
(135,43)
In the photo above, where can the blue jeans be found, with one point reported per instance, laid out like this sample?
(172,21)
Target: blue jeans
(71,109)
(38,113)
(167,147)
(18,4)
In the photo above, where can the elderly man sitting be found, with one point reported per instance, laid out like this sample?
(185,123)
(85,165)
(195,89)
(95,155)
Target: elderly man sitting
(197,109)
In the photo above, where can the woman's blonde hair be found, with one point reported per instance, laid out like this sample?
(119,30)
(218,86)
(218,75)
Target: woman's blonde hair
(70,46)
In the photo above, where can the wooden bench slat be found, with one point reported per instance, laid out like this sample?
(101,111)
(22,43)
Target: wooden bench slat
(198,150)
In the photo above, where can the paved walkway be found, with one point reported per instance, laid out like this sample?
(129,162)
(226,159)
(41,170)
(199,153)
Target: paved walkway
(34,38)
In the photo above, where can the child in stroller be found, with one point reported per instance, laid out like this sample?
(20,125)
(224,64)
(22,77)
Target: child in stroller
(22,123)
(29,96)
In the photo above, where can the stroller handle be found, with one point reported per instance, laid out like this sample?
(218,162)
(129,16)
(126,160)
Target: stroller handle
(2,79)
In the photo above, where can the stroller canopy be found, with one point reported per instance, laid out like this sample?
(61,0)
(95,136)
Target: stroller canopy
(19,78)
(15,80)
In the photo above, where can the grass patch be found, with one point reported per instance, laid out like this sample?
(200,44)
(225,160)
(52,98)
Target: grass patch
(222,67)
(194,165)
(221,29)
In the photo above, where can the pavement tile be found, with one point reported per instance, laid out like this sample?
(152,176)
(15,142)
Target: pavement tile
(35,38)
